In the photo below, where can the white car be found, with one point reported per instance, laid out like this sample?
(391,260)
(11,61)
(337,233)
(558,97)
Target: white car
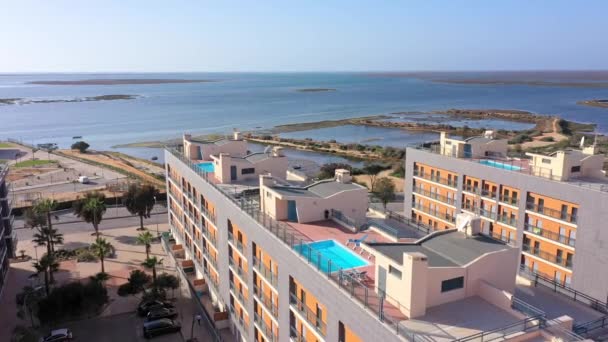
(58,335)
(83,180)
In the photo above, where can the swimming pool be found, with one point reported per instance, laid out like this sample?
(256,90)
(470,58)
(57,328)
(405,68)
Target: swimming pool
(206,166)
(340,256)
(500,165)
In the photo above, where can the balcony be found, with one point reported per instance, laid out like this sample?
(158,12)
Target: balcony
(209,236)
(266,273)
(509,200)
(548,256)
(471,189)
(295,336)
(441,198)
(511,221)
(470,207)
(549,235)
(488,194)
(504,238)
(434,212)
(208,215)
(239,269)
(308,314)
(239,319)
(487,213)
(445,181)
(551,212)
(238,293)
(266,301)
(210,258)
(239,245)
(264,329)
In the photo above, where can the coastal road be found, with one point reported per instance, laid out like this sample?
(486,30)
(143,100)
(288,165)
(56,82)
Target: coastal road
(118,217)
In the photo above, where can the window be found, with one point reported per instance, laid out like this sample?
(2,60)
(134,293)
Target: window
(447,142)
(575,169)
(452,284)
(546,161)
(394,271)
(248,171)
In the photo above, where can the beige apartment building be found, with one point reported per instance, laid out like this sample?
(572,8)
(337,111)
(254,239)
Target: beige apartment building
(554,208)
(277,260)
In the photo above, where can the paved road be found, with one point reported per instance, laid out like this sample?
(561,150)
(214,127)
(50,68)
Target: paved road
(65,187)
(123,327)
(68,223)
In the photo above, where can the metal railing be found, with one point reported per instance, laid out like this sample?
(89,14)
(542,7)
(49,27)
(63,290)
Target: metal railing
(487,213)
(435,212)
(566,240)
(239,269)
(309,315)
(506,219)
(295,336)
(472,189)
(208,215)
(433,178)
(433,195)
(264,328)
(525,325)
(488,194)
(238,292)
(565,262)
(416,225)
(266,301)
(239,245)
(551,212)
(575,295)
(340,216)
(587,327)
(504,238)
(266,273)
(509,200)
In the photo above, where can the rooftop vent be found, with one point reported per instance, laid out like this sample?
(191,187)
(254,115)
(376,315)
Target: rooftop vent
(343,176)
(236,134)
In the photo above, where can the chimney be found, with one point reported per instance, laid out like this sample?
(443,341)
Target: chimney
(236,135)
(187,137)
(343,176)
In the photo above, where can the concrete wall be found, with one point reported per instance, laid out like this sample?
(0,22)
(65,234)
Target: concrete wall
(277,166)
(591,239)
(340,307)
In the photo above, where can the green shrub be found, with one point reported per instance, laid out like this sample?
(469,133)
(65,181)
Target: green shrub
(547,139)
(86,255)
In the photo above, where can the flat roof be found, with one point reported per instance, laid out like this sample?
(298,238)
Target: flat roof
(322,189)
(446,249)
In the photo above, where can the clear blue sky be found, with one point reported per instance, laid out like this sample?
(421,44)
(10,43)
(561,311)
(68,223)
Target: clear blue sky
(196,35)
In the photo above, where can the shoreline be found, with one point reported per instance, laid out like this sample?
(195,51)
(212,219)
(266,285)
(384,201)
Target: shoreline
(598,103)
(118,81)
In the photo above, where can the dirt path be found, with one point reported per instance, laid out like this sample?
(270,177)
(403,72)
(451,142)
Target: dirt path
(537,142)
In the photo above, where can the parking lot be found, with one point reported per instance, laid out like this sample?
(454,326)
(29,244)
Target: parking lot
(117,328)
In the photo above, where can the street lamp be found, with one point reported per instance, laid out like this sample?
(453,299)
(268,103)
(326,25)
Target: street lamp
(198,320)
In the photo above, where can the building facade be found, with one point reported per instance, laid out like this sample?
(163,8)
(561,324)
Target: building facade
(8,240)
(552,207)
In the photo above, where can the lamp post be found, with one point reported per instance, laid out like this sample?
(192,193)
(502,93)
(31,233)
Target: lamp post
(198,320)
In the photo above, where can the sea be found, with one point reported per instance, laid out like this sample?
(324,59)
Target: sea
(249,101)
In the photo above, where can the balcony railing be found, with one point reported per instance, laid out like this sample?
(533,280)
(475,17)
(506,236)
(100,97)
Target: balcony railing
(488,194)
(238,293)
(549,235)
(295,335)
(434,212)
(264,328)
(434,178)
(309,315)
(209,215)
(551,212)
(270,276)
(504,238)
(506,219)
(470,207)
(266,301)
(509,200)
(207,233)
(239,269)
(441,198)
(487,213)
(471,189)
(547,256)
(239,245)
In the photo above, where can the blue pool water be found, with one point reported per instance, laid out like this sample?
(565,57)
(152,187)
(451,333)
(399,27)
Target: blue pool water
(321,252)
(206,166)
(500,165)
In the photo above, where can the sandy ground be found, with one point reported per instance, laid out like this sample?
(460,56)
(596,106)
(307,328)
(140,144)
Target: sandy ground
(129,256)
(399,182)
(537,140)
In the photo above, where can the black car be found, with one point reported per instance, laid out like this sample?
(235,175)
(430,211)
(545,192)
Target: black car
(158,313)
(161,327)
(145,306)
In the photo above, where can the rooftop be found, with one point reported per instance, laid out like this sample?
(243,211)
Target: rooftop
(321,189)
(444,249)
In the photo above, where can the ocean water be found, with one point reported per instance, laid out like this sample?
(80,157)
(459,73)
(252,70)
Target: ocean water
(252,100)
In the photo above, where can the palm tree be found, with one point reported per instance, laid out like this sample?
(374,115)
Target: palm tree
(39,217)
(152,263)
(100,277)
(140,200)
(146,238)
(46,265)
(91,208)
(48,237)
(101,248)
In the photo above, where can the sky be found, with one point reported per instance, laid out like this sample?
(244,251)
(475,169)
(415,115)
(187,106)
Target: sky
(215,36)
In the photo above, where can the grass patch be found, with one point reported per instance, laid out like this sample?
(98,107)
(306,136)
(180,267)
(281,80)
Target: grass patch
(6,145)
(32,163)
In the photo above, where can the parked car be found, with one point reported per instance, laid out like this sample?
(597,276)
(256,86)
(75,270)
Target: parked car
(161,327)
(83,180)
(57,335)
(145,306)
(158,313)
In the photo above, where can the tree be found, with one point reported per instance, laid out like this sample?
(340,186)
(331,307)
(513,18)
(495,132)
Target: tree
(46,265)
(101,248)
(81,146)
(91,208)
(151,263)
(48,237)
(167,281)
(140,200)
(146,238)
(372,170)
(136,282)
(329,170)
(385,190)
(39,217)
